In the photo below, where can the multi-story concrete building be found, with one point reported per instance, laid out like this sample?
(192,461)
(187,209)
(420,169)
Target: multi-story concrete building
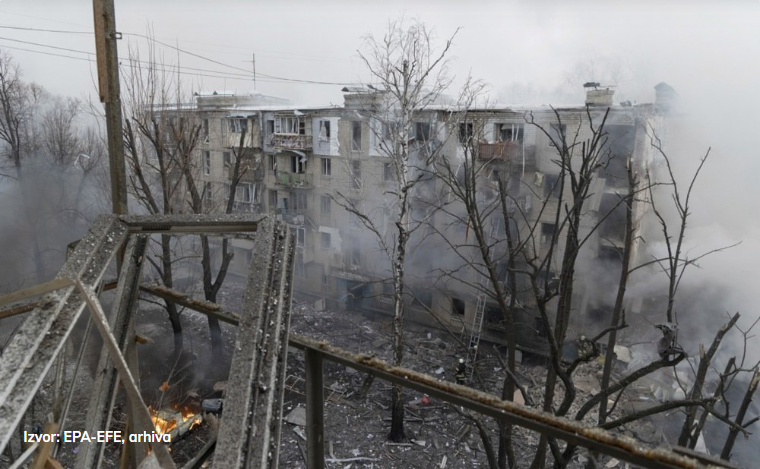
(309,162)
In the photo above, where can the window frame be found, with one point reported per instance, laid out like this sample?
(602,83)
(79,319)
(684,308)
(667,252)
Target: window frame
(326,164)
(206,163)
(325,205)
(325,241)
(238,124)
(356,131)
(248,191)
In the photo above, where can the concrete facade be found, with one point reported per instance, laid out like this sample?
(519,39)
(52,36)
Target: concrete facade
(310,160)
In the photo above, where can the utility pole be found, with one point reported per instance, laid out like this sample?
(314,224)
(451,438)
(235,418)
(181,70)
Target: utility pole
(108,85)
(254,70)
(253,62)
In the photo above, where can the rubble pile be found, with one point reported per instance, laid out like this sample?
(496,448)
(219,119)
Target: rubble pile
(357,416)
(357,409)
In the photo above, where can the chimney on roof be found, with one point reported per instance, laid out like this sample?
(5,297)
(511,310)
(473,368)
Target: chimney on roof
(665,97)
(597,95)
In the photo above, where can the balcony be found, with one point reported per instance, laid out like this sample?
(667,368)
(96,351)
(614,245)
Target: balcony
(245,207)
(296,180)
(291,141)
(500,151)
(292,217)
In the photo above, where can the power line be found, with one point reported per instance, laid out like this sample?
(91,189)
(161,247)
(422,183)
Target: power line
(47,45)
(50,53)
(20,28)
(186,52)
(276,54)
(129,65)
(272,78)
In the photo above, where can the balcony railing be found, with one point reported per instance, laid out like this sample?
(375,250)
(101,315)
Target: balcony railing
(291,141)
(303,180)
(244,207)
(500,151)
(291,216)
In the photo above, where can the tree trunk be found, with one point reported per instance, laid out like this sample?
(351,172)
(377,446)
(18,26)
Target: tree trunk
(215,330)
(622,284)
(171,308)
(733,433)
(397,401)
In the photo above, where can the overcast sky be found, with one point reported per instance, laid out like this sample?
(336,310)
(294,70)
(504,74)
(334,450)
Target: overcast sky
(708,52)
(694,48)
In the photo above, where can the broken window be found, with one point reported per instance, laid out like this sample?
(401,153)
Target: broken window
(205,128)
(244,192)
(326,167)
(326,241)
(422,131)
(356,174)
(493,315)
(326,205)
(387,172)
(227,158)
(457,307)
(324,130)
(510,132)
(270,126)
(356,135)
(206,163)
(547,232)
(272,162)
(286,125)
(466,132)
(298,164)
(238,124)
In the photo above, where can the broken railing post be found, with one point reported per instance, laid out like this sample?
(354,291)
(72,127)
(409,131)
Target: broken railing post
(106,383)
(315,421)
(139,411)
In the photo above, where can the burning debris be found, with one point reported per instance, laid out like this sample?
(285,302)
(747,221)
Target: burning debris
(175,422)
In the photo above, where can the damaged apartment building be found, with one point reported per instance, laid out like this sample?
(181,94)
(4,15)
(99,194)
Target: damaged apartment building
(309,159)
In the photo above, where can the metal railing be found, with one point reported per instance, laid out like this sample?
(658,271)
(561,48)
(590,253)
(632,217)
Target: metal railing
(291,141)
(284,178)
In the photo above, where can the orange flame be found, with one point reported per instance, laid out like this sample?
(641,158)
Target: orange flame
(164,426)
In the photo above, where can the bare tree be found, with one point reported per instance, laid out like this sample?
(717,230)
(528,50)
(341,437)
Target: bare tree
(60,136)
(411,74)
(479,206)
(151,126)
(244,162)
(15,109)
(485,192)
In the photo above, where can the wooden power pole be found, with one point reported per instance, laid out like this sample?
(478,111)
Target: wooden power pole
(108,85)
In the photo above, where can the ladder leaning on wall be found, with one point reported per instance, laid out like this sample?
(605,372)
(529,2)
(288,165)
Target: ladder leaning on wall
(477,326)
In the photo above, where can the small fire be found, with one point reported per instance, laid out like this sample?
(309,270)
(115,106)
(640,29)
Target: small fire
(166,421)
